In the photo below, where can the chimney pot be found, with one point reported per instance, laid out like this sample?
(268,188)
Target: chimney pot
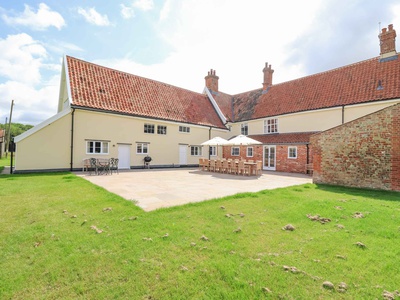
(212,81)
(387,41)
(267,76)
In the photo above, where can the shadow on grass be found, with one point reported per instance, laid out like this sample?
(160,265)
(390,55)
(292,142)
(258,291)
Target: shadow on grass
(27,175)
(363,192)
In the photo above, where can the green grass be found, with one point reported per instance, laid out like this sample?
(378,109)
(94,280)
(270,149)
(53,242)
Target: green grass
(48,249)
(5,162)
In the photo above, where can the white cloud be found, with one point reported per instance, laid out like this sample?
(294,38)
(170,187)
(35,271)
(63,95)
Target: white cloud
(231,37)
(127,12)
(31,106)
(165,11)
(40,20)
(144,4)
(93,17)
(21,58)
(22,62)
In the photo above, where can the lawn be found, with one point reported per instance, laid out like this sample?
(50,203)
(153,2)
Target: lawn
(65,238)
(5,162)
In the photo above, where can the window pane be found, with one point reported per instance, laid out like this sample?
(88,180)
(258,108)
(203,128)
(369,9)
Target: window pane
(105,147)
(97,147)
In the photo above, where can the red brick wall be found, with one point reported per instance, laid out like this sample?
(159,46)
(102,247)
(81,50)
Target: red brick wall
(293,165)
(283,163)
(396,149)
(362,153)
(257,152)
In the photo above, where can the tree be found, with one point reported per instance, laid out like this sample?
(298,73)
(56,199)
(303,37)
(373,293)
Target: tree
(16,128)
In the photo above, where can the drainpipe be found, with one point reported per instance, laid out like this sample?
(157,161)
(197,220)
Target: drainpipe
(72,139)
(209,137)
(343,114)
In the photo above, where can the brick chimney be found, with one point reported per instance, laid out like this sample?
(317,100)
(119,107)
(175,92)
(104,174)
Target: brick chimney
(387,41)
(212,81)
(267,76)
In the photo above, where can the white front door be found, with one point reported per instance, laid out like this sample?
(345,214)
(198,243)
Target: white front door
(269,158)
(183,154)
(124,156)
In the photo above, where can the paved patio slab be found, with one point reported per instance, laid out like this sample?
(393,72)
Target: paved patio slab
(157,188)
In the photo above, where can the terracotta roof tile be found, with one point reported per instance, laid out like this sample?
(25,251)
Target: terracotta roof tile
(284,138)
(351,84)
(98,87)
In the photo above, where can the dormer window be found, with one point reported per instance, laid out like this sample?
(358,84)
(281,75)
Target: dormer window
(271,126)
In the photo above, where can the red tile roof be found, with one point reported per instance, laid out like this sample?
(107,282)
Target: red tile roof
(283,138)
(351,84)
(97,87)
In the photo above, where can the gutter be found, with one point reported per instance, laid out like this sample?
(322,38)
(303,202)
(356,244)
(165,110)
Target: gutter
(72,139)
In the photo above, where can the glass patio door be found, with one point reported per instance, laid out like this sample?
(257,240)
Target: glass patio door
(269,158)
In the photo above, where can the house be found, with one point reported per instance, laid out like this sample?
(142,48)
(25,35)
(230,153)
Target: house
(108,113)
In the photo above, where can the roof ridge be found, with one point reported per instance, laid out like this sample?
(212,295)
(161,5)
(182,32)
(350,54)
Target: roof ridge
(328,71)
(130,74)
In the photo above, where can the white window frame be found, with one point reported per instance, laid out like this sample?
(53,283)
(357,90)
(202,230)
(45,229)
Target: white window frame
(143,147)
(162,129)
(244,129)
(196,151)
(295,152)
(233,152)
(247,152)
(184,129)
(213,150)
(103,147)
(146,128)
(271,126)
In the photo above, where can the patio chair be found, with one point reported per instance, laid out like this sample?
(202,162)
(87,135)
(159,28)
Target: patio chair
(258,167)
(218,166)
(212,165)
(240,167)
(225,167)
(114,165)
(93,166)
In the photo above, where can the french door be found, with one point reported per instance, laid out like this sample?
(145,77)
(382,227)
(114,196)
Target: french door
(269,158)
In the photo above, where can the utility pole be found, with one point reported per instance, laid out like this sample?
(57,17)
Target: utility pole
(3,145)
(9,127)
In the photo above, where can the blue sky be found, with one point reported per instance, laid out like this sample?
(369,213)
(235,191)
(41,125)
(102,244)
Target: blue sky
(179,41)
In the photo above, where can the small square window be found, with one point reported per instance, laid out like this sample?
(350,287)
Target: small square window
(292,152)
(235,151)
(142,148)
(249,151)
(161,129)
(148,128)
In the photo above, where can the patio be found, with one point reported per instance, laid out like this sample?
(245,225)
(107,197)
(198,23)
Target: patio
(157,188)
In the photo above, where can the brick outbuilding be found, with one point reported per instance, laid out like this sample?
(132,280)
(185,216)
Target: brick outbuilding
(363,153)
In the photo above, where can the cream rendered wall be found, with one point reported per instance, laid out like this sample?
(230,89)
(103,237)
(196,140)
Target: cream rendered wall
(316,120)
(48,148)
(356,111)
(119,129)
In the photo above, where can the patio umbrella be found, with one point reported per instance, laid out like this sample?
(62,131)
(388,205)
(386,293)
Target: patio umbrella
(216,141)
(242,140)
